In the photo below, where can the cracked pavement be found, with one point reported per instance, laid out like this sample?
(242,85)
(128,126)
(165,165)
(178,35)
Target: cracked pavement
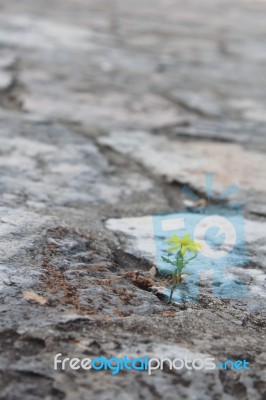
(107,108)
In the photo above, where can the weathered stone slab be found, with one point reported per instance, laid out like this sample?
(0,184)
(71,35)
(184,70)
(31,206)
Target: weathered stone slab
(37,169)
(139,238)
(5,80)
(188,163)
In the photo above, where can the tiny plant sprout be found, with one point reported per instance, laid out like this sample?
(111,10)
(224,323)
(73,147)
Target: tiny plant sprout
(182,246)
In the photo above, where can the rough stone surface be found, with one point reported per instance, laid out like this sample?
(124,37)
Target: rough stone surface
(139,240)
(5,81)
(187,162)
(106,109)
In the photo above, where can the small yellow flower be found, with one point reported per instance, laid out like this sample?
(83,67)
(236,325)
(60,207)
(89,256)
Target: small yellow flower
(183,243)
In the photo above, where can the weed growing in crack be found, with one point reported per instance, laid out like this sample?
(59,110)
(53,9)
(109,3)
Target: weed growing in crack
(183,245)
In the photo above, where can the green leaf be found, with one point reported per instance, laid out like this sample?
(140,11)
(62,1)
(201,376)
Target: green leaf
(189,259)
(178,256)
(180,269)
(168,261)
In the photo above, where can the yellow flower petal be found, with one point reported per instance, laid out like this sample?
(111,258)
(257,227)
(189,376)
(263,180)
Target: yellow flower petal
(174,247)
(173,239)
(183,250)
(192,248)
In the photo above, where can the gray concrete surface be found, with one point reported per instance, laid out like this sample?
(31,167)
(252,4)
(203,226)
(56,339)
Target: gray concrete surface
(107,108)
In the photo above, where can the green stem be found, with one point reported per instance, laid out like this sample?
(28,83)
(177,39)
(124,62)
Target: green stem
(177,277)
(180,264)
(176,281)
